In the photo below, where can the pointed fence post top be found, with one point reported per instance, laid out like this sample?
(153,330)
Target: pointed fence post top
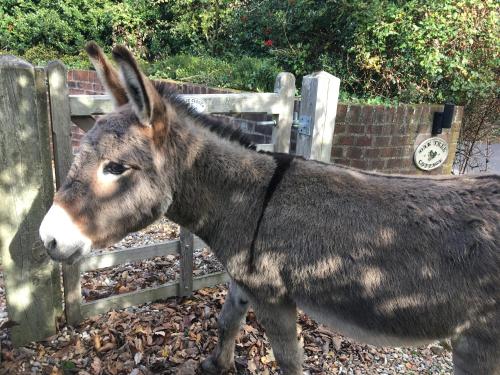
(58,73)
(285,84)
(322,75)
(14,61)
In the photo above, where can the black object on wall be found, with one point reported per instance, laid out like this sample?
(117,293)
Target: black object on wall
(443,120)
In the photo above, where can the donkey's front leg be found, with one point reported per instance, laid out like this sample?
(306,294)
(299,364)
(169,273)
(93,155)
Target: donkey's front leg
(280,324)
(221,361)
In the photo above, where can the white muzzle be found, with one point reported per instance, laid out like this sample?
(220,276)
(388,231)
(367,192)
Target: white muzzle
(63,239)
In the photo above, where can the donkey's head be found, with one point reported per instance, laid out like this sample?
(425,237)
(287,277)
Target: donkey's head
(119,182)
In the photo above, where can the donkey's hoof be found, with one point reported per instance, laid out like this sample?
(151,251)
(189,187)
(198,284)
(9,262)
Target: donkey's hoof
(209,366)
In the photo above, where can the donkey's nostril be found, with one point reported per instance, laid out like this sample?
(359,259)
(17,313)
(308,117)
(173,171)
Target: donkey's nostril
(51,245)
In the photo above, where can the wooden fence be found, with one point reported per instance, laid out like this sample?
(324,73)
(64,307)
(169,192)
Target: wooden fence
(41,102)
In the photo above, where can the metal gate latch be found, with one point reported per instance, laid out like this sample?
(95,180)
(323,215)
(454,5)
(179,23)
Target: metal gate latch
(303,125)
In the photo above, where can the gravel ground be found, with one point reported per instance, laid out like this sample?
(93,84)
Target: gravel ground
(172,336)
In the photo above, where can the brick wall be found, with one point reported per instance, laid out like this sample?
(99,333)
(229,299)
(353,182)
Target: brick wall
(82,82)
(87,82)
(367,137)
(384,139)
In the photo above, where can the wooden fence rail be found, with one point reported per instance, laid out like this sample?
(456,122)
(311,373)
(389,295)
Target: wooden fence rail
(38,103)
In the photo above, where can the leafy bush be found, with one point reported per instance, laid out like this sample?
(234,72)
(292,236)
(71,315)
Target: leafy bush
(41,55)
(190,26)
(244,73)
(411,51)
(433,51)
(241,73)
(62,26)
(65,25)
(414,50)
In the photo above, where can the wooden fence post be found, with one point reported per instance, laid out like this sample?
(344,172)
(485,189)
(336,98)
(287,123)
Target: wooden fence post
(186,262)
(318,108)
(32,280)
(285,88)
(61,119)
(63,157)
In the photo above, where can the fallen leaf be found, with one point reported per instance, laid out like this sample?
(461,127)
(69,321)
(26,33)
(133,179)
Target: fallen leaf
(187,368)
(268,358)
(97,342)
(252,367)
(137,357)
(56,371)
(107,347)
(96,366)
(165,352)
(123,289)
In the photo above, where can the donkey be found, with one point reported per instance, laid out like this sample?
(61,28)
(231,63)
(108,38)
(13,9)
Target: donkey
(387,260)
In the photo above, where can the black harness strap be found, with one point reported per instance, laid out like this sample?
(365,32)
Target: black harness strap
(282,164)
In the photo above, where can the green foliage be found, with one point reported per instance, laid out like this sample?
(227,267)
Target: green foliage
(243,73)
(41,55)
(387,50)
(60,25)
(414,50)
(194,26)
(68,365)
(427,50)
(346,97)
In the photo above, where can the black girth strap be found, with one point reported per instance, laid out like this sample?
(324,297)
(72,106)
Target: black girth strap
(282,164)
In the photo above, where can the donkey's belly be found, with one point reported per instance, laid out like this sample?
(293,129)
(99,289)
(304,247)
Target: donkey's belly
(349,329)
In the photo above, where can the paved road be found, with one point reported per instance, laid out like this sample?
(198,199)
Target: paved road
(495,158)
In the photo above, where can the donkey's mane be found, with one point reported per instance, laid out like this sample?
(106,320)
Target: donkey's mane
(216,126)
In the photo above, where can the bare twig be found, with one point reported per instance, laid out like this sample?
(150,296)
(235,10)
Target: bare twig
(479,126)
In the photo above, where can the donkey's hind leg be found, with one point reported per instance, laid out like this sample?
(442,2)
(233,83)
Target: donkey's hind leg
(280,324)
(477,350)
(221,361)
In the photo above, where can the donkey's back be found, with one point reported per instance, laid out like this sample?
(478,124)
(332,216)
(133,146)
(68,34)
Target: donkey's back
(391,259)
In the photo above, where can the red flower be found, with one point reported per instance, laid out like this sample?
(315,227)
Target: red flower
(268,43)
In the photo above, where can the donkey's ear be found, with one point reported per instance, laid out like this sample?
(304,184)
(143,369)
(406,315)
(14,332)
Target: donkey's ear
(148,104)
(107,74)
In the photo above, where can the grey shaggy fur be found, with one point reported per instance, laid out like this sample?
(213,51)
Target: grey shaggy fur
(387,260)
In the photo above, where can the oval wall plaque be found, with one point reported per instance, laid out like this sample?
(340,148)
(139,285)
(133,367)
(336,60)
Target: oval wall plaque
(431,153)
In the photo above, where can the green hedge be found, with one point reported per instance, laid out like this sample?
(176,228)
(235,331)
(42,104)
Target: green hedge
(387,50)
(61,26)
(411,50)
(243,73)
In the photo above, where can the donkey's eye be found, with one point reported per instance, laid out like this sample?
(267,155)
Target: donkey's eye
(114,168)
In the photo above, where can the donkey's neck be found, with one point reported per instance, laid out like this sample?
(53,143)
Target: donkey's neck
(219,190)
